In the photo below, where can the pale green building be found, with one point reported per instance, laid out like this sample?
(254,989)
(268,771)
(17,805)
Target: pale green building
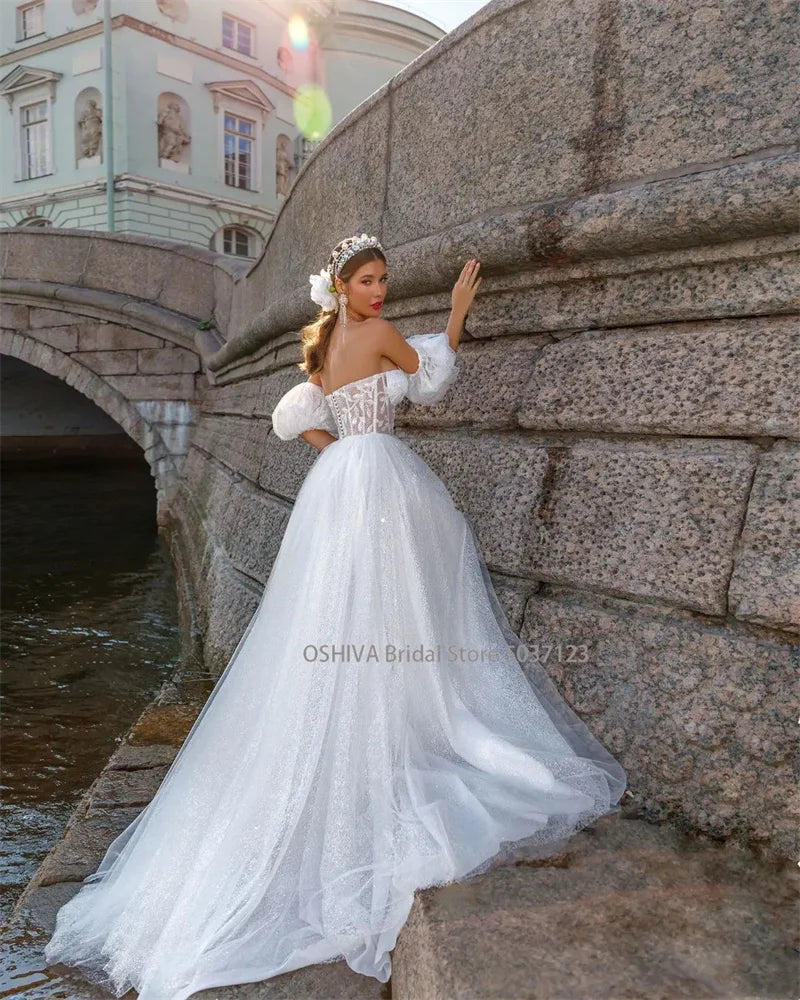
(216,105)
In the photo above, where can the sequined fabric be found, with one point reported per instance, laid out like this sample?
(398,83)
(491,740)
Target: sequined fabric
(354,750)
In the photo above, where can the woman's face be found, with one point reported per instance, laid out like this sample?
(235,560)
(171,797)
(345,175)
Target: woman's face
(366,289)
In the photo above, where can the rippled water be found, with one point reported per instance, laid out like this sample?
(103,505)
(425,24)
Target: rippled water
(89,630)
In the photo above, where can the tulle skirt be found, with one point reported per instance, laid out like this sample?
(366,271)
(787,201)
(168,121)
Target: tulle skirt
(373,733)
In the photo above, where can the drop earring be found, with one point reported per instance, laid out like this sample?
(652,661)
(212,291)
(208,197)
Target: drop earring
(342,310)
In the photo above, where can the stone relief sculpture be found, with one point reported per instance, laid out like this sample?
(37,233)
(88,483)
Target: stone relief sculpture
(284,165)
(175,10)
(173,133)
(285,61)
(88,127)
(90,130)
(84,6)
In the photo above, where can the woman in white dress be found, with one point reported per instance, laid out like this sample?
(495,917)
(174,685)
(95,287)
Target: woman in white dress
(374,731)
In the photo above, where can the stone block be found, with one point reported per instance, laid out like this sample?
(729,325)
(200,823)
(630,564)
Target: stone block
(14,316)
(47,256)
(112,337)
(635,518)
(724,377)
(63,338)
(765,586)
(153,386)
(701,716)
(167,360)
(108,362)
(40,318)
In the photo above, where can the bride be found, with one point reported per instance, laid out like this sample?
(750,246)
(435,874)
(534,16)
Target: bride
(379,728)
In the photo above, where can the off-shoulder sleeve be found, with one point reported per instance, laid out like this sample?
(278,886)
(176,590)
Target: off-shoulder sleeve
(438,367)
(302,408)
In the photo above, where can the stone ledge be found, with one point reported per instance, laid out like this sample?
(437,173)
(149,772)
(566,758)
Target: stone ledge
(635,911)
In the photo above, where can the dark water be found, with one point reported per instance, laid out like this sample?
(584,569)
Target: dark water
(89,630)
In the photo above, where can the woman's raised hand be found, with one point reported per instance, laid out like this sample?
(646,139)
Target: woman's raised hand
(466,286)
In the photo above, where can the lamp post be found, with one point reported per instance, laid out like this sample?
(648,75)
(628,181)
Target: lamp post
(108,118)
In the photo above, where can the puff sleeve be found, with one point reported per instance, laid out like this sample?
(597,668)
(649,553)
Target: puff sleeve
(302,408)
(438,367)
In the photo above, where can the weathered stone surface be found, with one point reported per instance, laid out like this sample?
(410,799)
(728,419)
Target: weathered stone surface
(129,268)
(168,359)
(108,362)
(60,257)
(232,600)
(63,338)
(42,318)
(85,841)
(130,757)
(234,441)
(246,522)
(650,519)
(13,316)
(113,337)
(153,386)
(727,377)
(765,586)
(163,724)
(632,910)
(701,716)
(116,789)
(189,287)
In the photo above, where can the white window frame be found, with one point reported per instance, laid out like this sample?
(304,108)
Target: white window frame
(250,114)
(254,241)
(22,10)
(24,99)
(41,127)
(238,23)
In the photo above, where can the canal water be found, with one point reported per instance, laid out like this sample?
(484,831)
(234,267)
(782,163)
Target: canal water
(89,631)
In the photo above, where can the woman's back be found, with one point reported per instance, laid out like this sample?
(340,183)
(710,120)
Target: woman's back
(353,353)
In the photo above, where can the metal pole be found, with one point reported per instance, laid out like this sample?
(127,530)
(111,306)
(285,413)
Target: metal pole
(108,118)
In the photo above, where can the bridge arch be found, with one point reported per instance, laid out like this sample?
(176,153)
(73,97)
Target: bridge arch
(162,463)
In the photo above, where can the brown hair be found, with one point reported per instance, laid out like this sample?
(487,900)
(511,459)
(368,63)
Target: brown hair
(315,336)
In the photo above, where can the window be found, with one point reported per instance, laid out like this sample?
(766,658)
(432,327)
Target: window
(236,241)
(35,140)
(239,135)
(30,20)
(238,35)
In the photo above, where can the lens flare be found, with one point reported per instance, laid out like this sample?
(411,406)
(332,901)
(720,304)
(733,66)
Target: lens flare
(298,32)
(312,111)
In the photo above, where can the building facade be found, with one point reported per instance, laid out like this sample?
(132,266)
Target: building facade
(215,105)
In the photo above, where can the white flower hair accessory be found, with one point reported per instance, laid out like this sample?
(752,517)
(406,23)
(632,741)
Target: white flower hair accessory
(322,290)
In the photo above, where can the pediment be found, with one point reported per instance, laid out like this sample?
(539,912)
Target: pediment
(244,91)
(24,77)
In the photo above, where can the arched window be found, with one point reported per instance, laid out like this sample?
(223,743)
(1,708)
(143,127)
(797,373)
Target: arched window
(237,241)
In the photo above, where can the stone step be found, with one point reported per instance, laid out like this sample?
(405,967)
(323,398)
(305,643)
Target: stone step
(629,909)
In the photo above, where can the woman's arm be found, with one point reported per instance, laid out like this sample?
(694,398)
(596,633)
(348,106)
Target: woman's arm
(318,438)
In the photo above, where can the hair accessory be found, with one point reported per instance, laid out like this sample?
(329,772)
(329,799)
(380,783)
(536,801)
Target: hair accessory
(323,290)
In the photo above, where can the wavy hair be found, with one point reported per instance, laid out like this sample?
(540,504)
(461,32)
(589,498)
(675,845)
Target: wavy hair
(315,336)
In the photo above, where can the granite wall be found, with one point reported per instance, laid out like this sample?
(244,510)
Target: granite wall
(625,433)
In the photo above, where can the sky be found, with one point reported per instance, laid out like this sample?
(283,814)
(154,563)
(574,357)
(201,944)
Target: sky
(447,14)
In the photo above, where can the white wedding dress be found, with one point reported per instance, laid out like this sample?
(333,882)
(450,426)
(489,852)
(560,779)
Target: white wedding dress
(326,779)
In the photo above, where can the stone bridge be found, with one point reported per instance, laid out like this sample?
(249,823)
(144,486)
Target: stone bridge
(625,433)
(117,318)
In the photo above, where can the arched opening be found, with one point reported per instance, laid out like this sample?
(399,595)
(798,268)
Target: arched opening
(88,603)
(237,241)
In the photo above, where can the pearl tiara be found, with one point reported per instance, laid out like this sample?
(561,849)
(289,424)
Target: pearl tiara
(350,248)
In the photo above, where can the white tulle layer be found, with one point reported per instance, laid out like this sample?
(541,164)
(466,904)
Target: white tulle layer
(311,799)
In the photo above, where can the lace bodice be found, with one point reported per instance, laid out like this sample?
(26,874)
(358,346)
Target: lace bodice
(367,405)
